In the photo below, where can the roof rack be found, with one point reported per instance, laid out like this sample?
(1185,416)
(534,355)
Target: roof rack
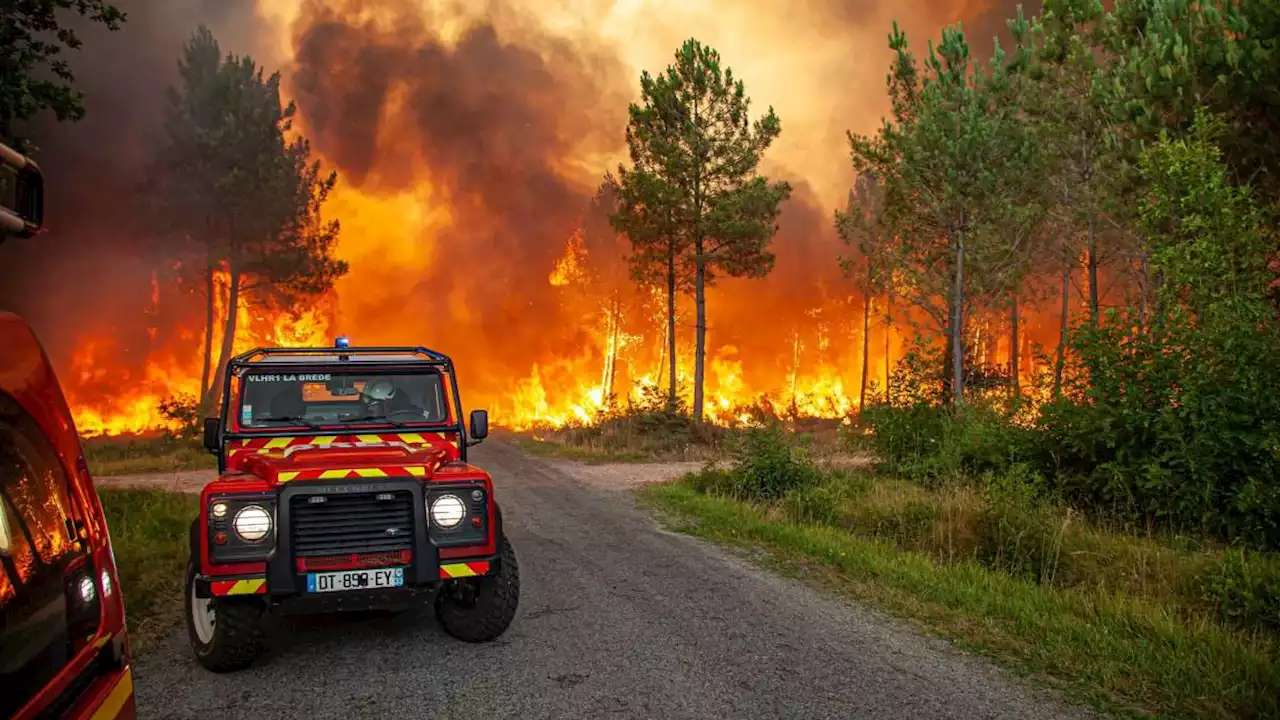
(364,356)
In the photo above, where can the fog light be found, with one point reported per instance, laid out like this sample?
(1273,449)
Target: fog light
(476,521)
(219,510)
(87,591)
(219,538)
(477,495)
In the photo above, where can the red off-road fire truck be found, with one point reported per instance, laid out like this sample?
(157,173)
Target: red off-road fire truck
(344,485)
(64,649)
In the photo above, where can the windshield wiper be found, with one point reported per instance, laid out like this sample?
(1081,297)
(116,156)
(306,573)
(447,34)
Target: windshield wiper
(290,418)
(377,419)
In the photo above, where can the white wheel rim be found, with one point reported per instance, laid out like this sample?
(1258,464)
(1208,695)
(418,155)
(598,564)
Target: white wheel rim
(203,617)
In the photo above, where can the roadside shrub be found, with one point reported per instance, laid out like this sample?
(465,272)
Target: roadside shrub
(1244,589)
(1019,533)
(817,504)
(935,444)
(768,465)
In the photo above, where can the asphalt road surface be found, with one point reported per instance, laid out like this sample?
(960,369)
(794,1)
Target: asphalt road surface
(618,619)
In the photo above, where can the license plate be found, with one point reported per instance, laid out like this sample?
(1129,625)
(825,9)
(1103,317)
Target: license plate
(355,580)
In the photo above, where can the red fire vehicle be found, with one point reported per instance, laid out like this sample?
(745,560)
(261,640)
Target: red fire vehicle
(344,485)
(64,649)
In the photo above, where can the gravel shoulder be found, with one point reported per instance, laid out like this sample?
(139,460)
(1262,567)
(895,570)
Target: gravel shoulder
(618,618)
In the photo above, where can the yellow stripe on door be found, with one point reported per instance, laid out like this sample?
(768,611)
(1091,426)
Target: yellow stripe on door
(114,703)
(276,443)
(413,438)
(369,438)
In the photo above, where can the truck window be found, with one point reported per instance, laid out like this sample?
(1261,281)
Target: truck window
(36,547)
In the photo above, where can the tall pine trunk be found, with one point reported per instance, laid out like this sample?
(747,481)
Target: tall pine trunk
(957,325)
(671,323)
(888,334)
(1014,370)
(1093,272)
(210,316)
(700,342)
(866,348)
(1060,359)
(229,329)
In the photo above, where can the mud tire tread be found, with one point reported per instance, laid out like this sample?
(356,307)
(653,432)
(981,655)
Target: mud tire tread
(499,596)
(236,635)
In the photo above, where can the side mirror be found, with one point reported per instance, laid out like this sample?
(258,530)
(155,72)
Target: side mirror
(21,194)
(479,425)
(212,429)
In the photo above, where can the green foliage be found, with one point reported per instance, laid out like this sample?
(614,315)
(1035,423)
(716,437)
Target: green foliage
(34,74)
(1178,423)
(937,444)
(1243,589)
(767,464)
(692,203)
(956,167)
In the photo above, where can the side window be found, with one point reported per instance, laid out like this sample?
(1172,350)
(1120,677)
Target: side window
(35,485)
(38,544)
(36,510)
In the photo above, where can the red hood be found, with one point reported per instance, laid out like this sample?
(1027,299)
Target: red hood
(343,462)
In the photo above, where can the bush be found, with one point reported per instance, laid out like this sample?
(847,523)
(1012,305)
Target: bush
(768,465)
(935,444)
(1243,590)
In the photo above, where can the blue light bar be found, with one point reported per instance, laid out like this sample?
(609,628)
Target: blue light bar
(342,342)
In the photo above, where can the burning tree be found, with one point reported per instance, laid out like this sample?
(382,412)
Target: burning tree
(238,197)
(693,197)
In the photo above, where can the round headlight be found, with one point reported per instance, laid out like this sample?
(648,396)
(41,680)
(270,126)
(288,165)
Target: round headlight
(87,590)
(448,510)
(219,510)
(252,523)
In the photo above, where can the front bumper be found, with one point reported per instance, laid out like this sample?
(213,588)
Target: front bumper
(284,584)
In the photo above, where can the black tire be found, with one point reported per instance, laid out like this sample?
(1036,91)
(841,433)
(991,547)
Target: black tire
(490,602)
(236,630)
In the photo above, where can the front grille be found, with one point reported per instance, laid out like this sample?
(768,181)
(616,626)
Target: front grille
(357,523)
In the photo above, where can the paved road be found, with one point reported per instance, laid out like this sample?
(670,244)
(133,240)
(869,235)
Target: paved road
(618,619)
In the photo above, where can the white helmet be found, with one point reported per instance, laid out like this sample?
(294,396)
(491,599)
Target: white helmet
(378,390)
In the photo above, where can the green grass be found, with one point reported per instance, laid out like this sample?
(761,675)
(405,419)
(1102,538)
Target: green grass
(1127,651)
(149,530)
(125,456)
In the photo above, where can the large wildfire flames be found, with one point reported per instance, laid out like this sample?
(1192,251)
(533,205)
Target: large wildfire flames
(469,149)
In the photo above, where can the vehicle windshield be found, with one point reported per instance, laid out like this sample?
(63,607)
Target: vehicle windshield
(275,399)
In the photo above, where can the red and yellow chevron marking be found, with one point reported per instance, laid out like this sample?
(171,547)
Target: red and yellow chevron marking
(254,586)
(270,445)
(344,473)
(462,570)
